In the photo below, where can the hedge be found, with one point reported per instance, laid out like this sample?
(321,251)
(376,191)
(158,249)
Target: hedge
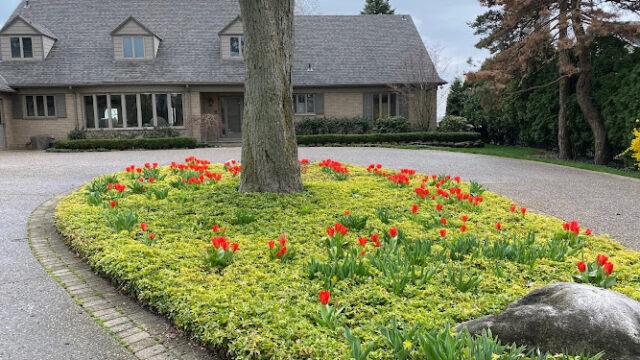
(127,144)
(387,138)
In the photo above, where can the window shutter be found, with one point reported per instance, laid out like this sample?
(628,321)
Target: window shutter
(16,105)
(319,103)
(367,111)
(403,105)
(61,106)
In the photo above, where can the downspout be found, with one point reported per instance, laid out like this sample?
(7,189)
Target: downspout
(75,106)
(190,117)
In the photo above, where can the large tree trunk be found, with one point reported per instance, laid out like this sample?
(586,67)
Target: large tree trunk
(564,142)
(269,149)
(583,90)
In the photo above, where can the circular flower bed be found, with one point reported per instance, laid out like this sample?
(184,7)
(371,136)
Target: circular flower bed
(367,262)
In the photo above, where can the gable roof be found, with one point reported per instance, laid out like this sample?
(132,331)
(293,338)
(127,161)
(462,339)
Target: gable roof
(132,19)
(343,50)
(238,18)
(39,28)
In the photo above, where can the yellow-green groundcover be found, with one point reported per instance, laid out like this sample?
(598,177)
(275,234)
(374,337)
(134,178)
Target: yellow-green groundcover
(261,307)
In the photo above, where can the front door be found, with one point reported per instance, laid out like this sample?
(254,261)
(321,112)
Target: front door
(233,108)
(2,138)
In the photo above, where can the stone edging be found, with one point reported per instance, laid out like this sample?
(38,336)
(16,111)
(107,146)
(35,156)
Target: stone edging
(145,334)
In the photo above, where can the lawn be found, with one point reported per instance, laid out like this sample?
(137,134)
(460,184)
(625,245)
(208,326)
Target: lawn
(244,272)
(527,153)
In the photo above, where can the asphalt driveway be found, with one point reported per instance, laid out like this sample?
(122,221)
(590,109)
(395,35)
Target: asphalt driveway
(38,320)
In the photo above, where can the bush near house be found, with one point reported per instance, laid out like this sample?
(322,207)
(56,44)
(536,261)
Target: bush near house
(428,137)
(395,124)
(355,125)
(127,144)
(451,123)
(366,263)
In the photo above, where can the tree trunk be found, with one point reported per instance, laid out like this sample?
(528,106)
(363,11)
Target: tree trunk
(583,90)
(269,149)
(564,142)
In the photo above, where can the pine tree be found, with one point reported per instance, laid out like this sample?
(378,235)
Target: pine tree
(377,7)
(455,98)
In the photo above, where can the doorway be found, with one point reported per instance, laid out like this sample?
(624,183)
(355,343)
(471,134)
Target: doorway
(3,142)
(232,109)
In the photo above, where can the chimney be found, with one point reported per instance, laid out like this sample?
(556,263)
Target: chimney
(26,4)
(309,68)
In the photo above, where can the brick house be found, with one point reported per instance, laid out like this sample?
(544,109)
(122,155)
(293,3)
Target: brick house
(134,65)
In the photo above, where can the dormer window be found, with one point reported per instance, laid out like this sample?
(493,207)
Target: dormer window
(133,47)
(21,48)
(236,46)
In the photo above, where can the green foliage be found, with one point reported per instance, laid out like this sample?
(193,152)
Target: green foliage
(217,258)
(373,7)
(354,222)
(475,189)
(387,138)
(463,279)
(242,217)
(160,193)
(392,125)
(452,123)
(76,134)
(127,144)
(321,125)
(399,338)
(358,352)
(121,220)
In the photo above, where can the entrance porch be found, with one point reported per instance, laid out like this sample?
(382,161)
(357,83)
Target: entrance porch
(222,114)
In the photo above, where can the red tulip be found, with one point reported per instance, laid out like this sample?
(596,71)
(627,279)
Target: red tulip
(513,207)
(225,246)
(601,259)
(362,253)
(151,179)
(283,239)
(393,232)
(523,210)
(324,297)
(283,250)
(346,213)
(155,165)
(377,244)
(565,226)
(439,207)
(363,241)
(279,254)
(215,228)
(222,230)
(463,228)
(110,186)
(457,179)
(374,237)
(443,232)
(331,232)
(588,232)
(582,267)
(465,218)
(139,170)
(272,244)
(498,226)
(443,221)
(144,226)
(113,204)
(234,247)
(152,236)
(608,268)
(414,209)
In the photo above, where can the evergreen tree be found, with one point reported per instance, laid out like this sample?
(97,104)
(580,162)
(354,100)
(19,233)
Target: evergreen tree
(377,7)
(455,99)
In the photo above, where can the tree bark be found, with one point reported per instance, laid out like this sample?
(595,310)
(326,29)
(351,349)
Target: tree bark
(602,153)
(564,142)
(269,149)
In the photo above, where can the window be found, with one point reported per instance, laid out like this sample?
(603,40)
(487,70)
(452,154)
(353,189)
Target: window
(384,105)
(21,48)
(303,104)
(133,47)
(236,44)
(131,111)
(40,105)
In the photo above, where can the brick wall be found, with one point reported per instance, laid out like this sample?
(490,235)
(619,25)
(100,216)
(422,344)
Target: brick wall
(340,105)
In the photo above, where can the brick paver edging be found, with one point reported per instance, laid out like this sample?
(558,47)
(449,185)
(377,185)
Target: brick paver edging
(145,334)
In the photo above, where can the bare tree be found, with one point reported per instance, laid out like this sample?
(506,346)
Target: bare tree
(269,149)
(306,7)
(210,124)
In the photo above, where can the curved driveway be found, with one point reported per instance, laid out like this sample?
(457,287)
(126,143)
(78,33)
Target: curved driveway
(38,320)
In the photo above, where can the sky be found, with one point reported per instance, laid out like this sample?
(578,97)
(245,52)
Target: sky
(443,25)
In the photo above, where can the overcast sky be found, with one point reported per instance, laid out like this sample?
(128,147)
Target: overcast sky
(442,24)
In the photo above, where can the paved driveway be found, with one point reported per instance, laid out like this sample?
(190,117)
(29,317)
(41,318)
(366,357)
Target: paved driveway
(38,320)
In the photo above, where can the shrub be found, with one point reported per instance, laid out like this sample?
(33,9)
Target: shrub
(635,146)
(395,124)
(322,125)
(127,144)
(76,134)
(451,123)
(387,138)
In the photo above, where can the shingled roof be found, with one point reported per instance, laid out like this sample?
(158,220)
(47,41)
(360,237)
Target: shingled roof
(343,50)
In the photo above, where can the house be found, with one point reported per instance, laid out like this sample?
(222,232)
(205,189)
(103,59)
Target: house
(134,65)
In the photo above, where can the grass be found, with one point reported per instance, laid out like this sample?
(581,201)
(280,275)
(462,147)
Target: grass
(527,153)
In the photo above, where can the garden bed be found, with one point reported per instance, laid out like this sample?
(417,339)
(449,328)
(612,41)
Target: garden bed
(399,261)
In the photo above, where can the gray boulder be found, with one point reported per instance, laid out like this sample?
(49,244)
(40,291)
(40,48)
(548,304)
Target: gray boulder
(569,317)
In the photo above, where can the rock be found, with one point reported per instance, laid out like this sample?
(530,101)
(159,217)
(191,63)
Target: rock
(569,317)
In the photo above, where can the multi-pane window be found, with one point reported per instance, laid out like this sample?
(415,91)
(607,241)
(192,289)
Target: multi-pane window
(303,104)
(133,47)
(133,111)
(385,105)
(40,105)
(21,47)
(236,45)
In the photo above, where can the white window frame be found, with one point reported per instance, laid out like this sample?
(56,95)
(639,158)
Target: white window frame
(134,54)
(306,104)
(123,96)
(240,47)
(46,114)
(21,39)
